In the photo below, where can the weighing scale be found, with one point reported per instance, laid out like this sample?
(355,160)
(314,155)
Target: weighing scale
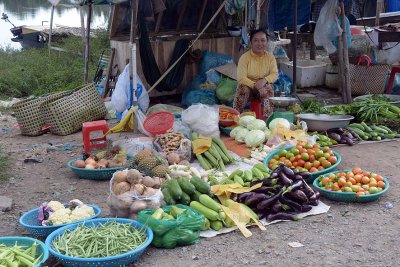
(280,108)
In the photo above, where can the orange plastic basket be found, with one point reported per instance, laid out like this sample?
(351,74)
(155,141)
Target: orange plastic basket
(159,122)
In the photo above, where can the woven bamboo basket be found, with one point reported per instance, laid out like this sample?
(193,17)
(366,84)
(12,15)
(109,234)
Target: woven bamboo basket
(66,115)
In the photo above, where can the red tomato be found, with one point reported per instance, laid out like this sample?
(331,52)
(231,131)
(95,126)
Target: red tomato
(300,163)
(308,165)
(357,170)
(365,179)
(313,169)
(310,151)
(352,181)
(332,159)
(356,177)
(350,174)
(378,178)
(358,194)
(297,157)
(366,173)
(373,184)
(294,164)
(316,164)
(326,164)
(381,184)
(342,182)
(320,168)
(312,158)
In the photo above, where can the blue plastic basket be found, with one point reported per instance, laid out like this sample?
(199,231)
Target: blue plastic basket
(348,196)
(113,261)
(314,175)
(31,223)
(27,241)
(94,174)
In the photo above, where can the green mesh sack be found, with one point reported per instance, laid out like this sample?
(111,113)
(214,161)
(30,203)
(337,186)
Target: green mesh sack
(169,233)
(226,90)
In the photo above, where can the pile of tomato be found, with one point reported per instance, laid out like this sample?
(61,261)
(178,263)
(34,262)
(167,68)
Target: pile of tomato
(358,181)
(305,157)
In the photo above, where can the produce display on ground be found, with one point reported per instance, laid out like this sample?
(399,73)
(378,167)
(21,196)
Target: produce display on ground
(289,172)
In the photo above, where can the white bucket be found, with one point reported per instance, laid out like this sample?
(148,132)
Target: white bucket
(332,76)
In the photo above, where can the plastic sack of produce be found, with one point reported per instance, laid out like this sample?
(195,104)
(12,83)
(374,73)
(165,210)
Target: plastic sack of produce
(132,146)
(132,191)
(202,119)
(176,225)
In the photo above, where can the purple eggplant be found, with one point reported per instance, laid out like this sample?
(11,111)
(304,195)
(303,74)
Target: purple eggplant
(277,207)
(298,195)
(296,185)
(305,175)
(348,141)
(338,131)
(314,202)
(289,172)
(267,203)
(270,182)
(274,174)
(293,204)
(317,193)
(242,197)
(284,179)
(306,208)
(256,198)
(354,134)
(334,136)
(283,216)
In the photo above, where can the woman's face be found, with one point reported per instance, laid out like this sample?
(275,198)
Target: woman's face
(259,43)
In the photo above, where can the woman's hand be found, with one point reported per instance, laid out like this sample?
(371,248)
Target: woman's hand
(260,84)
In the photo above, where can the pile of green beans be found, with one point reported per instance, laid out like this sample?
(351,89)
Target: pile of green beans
(103,240)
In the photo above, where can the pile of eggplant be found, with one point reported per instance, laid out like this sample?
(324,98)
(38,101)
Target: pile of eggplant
(282,196)
(343,135)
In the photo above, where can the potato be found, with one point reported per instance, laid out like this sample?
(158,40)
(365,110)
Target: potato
(138,206)
(139,188)
(124,201)
(120,176)
(90,161)
(120,188)
(149,191)
(133,176)
(79,164)
(148,181)
(157,181)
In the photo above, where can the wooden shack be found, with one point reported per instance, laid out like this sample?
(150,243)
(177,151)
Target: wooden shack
(168,23)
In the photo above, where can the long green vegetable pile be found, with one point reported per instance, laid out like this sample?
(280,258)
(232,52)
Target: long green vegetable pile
(103,240)
(19,255)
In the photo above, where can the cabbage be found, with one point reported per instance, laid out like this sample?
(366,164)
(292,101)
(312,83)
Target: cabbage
(256,125)
(283,122)
(243,121)
(254,138)
(234,131)
(241,134)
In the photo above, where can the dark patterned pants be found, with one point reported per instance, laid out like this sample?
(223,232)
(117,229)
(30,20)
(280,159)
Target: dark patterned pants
(245,94)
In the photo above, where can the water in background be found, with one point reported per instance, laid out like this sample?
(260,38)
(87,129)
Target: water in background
(31,12)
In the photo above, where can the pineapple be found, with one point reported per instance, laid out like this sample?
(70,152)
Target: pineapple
(142,155)
(147,164)
(160,171)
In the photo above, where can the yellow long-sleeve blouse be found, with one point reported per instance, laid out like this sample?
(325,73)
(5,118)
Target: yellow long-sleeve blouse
(252,67)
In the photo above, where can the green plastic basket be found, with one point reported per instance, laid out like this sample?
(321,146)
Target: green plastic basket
(348,196)
(314,175)
(94,174)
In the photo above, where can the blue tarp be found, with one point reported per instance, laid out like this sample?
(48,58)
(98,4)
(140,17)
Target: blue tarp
(280,13)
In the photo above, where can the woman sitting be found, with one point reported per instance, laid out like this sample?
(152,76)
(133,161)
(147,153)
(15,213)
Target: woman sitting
(256,73)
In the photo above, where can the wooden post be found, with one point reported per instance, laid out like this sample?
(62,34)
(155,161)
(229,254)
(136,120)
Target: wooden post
(258,14)
(132,44)
(295,47)
(51,27)
(380,6)
(87,42)
(82,17)
(346,77)
(201,14)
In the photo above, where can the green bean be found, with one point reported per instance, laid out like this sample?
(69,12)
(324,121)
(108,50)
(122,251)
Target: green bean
(103,240)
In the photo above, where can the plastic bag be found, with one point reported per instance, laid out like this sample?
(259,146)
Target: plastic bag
(211,60)
(184,150)
(213,76)
(182,127)
(328,27)
(202,119)
(128,204)
(184,230)
(204,96)
(132,146)
(164,107)
(139,119)
(226,90)
(122,97)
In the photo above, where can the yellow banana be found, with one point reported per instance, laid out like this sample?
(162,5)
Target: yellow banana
(126,124)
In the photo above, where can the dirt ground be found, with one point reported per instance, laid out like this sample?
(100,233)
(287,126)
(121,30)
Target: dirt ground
(348,235)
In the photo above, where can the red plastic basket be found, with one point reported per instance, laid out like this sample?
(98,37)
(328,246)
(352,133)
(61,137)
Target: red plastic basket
(159,122)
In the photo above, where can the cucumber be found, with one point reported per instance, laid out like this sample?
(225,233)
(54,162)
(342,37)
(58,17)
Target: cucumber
(200,185)
(212,179)
(257,173)
(248,175)
(261,167)
(236,172)
(207,212)
(379,129)
(175,189)
(358,126)
(167,197)
(390,136)
(185,199)
(373,134)
(386,128)
(186,186)
(216,225)
(360,133)
(206,224)
(239,180)
(366,127)
(195,196)
(210,203)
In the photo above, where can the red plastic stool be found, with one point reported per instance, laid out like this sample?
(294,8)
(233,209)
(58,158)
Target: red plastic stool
(92,126)
(395,69)
(255,106)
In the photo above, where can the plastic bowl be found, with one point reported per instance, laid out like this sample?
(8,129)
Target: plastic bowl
(228,122)
(314,175)
(31,223)
(94,174)
(113,261)
(349,196)
(27,241)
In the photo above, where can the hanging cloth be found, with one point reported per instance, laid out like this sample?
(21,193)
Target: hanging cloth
(149,65)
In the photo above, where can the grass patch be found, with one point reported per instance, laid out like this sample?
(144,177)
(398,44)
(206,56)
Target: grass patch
(34,72)
(3,166)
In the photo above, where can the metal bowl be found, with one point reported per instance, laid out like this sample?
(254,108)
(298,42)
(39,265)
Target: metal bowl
(394,99)
(323,122)
(282,101)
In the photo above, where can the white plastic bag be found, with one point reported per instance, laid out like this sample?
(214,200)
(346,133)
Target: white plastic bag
(140,118)
(202,119)
(132,146)
(121,96)
(328,27)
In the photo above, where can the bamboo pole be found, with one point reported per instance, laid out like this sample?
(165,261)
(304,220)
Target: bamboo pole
(132,44)
(295,47)
(51,26)
(346,76)
(258,14)
(380,6)
(82,16)
(87,42)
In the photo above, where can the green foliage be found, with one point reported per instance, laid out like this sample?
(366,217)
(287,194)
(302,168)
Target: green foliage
(34,71)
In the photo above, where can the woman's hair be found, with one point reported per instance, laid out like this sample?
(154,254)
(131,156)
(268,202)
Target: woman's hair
(254,32)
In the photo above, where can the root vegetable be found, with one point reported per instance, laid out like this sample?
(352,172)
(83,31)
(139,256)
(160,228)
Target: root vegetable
(90,161)
(90,166)
(148,181)
(124,201)
(133,176)
(138,206)
(122,187)
(139,188)
(149,191)
(79,164)
(173,158)
(120,176)
(102,164)
(184,162)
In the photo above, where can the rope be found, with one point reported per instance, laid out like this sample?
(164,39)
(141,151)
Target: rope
(190,46)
